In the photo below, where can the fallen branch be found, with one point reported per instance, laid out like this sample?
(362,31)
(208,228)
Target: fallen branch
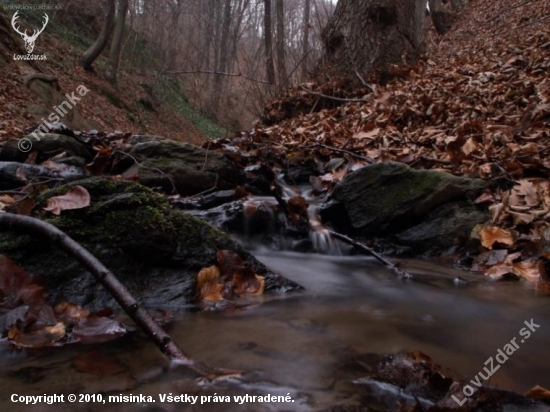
(338,99)
(335,149)
(371,252)
(131,306)
(434,160)
(244,76)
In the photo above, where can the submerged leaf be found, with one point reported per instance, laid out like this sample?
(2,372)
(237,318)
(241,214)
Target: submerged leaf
(97,329)
(209,287)
(36,338)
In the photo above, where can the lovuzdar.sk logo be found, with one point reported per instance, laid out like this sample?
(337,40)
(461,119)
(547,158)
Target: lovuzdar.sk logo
(29,40)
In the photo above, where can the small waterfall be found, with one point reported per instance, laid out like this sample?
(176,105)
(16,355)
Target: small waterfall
(319,235)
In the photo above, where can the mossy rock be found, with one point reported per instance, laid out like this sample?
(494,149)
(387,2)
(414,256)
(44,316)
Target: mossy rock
(155,250)
(386,199)
(182,167)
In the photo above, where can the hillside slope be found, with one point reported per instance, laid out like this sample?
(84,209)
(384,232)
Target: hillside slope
(477,106)
(142,102)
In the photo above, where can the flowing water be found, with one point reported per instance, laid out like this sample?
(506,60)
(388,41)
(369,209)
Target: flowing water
(295,344)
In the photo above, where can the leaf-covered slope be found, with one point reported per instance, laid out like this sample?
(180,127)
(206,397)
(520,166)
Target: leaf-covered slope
(478,106)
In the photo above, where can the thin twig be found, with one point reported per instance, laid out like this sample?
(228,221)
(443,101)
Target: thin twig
(371,252)
(367,159)
(363,82)
(434,160)
(244,76)
(338,99)
(154,169)
(12,192)
(207,191)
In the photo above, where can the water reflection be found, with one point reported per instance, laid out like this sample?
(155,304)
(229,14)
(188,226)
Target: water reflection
(294,344)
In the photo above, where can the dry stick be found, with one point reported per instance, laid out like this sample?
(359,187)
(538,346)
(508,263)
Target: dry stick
(131,306)
(338,99)
(335,149)
(434,160)
(276,191)
(154,169)
(244,76)
(371,252)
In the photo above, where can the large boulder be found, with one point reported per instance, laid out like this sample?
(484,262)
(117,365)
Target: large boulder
(426,209)
(182,167)
(154,250)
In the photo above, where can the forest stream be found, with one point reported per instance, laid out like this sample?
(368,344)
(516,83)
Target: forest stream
(298,344)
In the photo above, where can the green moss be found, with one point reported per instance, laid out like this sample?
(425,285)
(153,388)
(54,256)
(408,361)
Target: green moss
(129,217)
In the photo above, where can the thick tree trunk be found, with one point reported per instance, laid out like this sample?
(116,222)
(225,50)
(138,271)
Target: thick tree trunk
(370,35)
(268,39)
(95,50)
(281,62)
(116,45)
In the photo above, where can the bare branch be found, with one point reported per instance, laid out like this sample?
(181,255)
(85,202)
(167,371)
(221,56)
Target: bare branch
(371,252)
(244,76)
(335,149)
(338,99)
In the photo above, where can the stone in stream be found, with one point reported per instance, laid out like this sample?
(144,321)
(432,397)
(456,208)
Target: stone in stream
(155,250)
(426,210)
(15,175)
(47,145)
(182,167)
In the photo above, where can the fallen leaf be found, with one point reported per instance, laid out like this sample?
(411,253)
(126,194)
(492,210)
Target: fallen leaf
(367,135)
(70,313)
(527,270)
(491,234)
(209,286)
(229,264)
(76,198)
(36,338)
(97,329)
(539,393)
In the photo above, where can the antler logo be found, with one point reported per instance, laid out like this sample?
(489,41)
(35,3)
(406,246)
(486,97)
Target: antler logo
(29,40)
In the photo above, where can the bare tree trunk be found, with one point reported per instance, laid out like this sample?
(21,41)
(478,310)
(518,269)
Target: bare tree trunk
(95,50)
(207,34)
(370,35)
(223,63)
(268,38)
(442,19)
(116,45)
(305,44)
(281,63)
